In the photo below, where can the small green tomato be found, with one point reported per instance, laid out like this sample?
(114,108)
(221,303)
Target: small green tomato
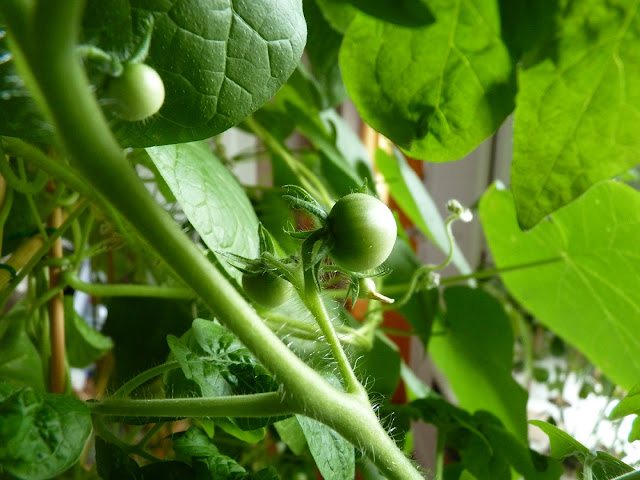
(137,93)
(266,289)
(363,232)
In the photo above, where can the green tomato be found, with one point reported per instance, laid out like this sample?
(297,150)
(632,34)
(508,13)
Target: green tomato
(266,289)
(362,231)
(137,93)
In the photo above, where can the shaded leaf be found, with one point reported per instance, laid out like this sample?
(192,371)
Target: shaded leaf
(476,354)
(334,456)
(114,464)
(291,433)
(84,345)
(487,450)
(576,120)
(211,198)
(583,274)
(422,307)
(41,434)
(20,361)
(323,45)
(436,91)
(131,319)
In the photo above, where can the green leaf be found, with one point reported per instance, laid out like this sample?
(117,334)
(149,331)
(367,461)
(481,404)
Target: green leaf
(20,361)
(114,464)
(217,362)
(214,363)
(211,198)
(196,447)
(582,280)
(84,344)
(628,405)
(334,456)
(436,91)
(476,354)
(576,120)
(41,435)
(409,192)
(219,62)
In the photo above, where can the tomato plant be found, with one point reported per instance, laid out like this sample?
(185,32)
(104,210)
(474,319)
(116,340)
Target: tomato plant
(145,214)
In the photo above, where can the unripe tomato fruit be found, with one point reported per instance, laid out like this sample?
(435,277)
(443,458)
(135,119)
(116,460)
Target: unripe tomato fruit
(137,93)
(363,232)
(266,289)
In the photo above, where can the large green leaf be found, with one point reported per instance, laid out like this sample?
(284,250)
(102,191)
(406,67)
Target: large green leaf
(409,192)
(476,354)
(584,272)
(220,60)
(578,110)
(41,435)
(436,91)
(211,198)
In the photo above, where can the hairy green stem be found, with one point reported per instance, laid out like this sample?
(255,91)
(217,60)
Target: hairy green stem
(97,156)
(256,405)
(144,377)
(127,290)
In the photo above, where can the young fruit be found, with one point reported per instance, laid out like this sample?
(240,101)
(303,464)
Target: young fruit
(137,93)
(266,289)
(362,232)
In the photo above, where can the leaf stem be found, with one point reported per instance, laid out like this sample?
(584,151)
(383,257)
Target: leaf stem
(255,405)
(127,290)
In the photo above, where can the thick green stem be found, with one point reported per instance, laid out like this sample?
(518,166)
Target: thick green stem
(50,53)
(126,290)
(256,405)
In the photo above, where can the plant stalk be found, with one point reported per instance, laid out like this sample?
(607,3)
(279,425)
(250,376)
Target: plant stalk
(96,155)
